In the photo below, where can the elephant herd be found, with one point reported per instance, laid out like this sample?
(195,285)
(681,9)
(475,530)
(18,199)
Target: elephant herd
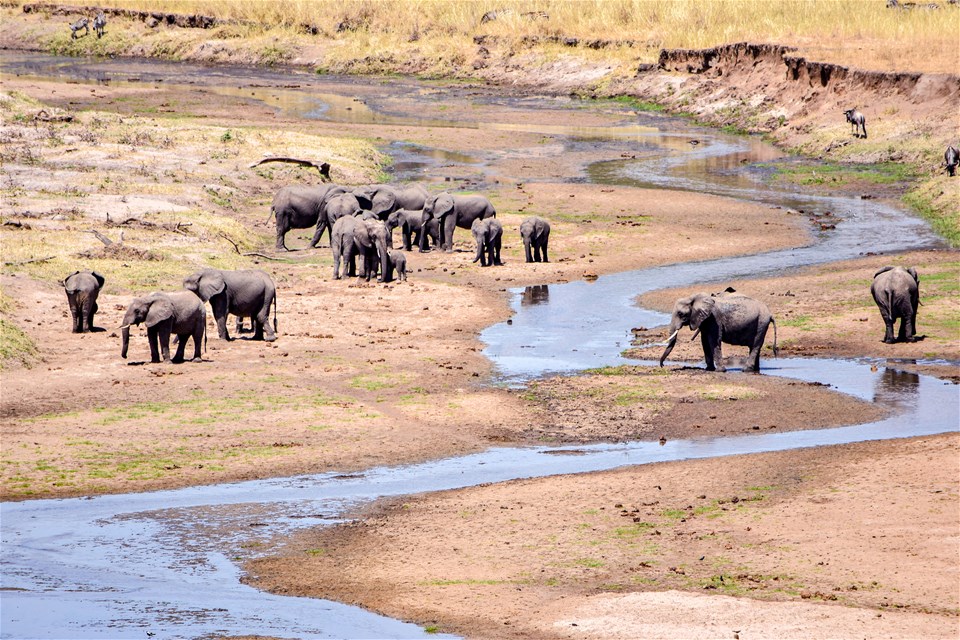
(360,222)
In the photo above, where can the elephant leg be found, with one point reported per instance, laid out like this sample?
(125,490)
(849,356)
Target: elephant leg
(407,242)
(888,333)
(264,329)
(526,252)
(752,364)
(91,312)
(496,252)
(282,229)
(181,346)
(220,313)
(902,333)
(197,339)
(336,259)
(318,233)
(712,356)
(544,249)
(446,233)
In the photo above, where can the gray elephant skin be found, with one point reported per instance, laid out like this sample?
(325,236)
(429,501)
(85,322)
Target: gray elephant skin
(728,317)
(246,294)
(454,211)
(336,204)
(396,261)
(488,235)
(896,291)
(353,236)
(180,313)
(411,227)
(535,233)
(83,288)
(298,207)
(384,199)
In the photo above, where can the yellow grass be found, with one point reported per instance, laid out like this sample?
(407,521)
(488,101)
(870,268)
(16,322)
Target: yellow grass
(862,33)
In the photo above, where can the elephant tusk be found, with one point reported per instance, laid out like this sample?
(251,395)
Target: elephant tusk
(695,334)
(124,326)
(673,336)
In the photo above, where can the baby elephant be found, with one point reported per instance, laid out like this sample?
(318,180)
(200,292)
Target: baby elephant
(897,293)
(535,232)
(396,260)
(83,288)
(951,157)
(181,313)
(246,293)
(488,234)
(858,121)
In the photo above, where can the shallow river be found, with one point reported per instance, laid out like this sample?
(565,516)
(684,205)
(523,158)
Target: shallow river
(166,562)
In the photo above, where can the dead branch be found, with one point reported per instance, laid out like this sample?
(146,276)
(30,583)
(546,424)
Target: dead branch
(44,116)
(260,255)
(17,264)
(323,167)
(236,246)
(102,238)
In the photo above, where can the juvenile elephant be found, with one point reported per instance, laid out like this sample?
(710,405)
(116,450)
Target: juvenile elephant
(384,199)
(181,313)
(535,232)
(336,204)
(396,260)
(248,293)
(298,207)
(858,121)
(897,292)
(730,317)
(452,212)
(370,241)
(411,227)
(343,247)
(83,288)
(488,235)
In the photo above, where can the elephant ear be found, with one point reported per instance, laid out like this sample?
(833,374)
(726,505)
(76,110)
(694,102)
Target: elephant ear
(443,205)
(161,309)
(66,282)
(913,272)
(701,309)
(211,283)
(100,278)
(385,200)
(883,270)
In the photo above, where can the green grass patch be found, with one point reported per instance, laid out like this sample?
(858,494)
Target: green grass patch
(837,174)
(15,345)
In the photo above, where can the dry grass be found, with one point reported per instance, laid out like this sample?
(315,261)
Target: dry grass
(863,33)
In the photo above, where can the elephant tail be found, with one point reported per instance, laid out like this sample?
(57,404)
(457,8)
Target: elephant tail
(776,352)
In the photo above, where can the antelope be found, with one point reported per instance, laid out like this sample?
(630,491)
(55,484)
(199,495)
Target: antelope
(858,121)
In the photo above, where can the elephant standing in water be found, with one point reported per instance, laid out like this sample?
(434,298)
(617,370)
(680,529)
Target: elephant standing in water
(83,288)
(728,317)
(452,212)
(488,234)
(897,293)
(181,313)
(299,207)
(248,293)
(535,232)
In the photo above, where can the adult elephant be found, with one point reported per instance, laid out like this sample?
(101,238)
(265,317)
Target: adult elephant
(535,232)
(411,228)
(897,293)
(298,207)
(488,235)
(338,203)
(83,288)
(247,293)
(454,211)
(181,313)
(729,317)
(384,199)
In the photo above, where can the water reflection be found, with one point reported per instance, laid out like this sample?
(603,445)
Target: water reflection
(537,294)
(896,388)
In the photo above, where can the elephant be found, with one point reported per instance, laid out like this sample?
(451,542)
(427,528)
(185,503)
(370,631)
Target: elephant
(397,260)
(299,207)
(384,199)
(535,232)
(248,293)
(411,226)
(951,158)
(181,313)
(83,288)
(337,203)
(897,293)
(488,235)
(452,212)
(858,121)
(354,236)
(728,317)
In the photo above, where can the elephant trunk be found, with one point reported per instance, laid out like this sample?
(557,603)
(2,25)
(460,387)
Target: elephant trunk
(125,330)
(672,340)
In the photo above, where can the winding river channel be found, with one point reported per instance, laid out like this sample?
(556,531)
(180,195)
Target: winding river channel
(167,562)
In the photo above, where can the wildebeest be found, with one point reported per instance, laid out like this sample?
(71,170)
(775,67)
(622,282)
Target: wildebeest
(858,121)
(952,158)
(99,23)
(82,23)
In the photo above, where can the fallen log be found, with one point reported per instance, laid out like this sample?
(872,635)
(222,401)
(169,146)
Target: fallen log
(323,167)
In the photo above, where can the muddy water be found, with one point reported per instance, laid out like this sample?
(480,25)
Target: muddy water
(166,562)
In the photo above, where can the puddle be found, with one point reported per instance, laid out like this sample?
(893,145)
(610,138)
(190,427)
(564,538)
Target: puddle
(165,563)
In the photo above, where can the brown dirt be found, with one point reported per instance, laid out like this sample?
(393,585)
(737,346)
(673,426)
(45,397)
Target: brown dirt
(846,542)
(395,375)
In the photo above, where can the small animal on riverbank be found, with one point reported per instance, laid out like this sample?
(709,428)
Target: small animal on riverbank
(99,24)
(488,234)
(897,293)
(858,121)
(83,288)
(951,157)
(535,232)
(725,317)
(82,23)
